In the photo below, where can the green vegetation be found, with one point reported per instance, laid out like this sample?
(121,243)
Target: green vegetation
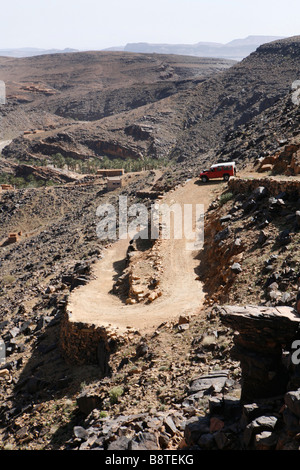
(115,393)
(225,198)
(24,182)
(91,165)
(30,161)
(131,164)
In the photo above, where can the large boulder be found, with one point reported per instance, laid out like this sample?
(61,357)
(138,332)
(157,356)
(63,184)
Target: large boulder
(261,334)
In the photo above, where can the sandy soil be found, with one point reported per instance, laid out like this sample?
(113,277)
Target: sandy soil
(181,291)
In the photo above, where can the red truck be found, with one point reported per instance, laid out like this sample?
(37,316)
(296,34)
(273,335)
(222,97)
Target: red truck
(219,170)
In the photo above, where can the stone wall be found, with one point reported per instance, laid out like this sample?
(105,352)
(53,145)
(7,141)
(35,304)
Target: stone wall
(274,186)
(83,344)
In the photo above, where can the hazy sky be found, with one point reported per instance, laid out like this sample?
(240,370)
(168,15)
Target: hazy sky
(98,24)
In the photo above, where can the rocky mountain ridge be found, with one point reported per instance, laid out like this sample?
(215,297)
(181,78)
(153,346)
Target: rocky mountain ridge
(172,119)
(180,387)
(236,49)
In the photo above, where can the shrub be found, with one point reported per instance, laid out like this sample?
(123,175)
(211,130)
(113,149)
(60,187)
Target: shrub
(115,393)
(225,198)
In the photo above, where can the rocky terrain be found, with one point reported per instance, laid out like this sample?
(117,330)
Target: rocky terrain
(100,112)
(188,384)
(88,86)
(172,112)
(176,388)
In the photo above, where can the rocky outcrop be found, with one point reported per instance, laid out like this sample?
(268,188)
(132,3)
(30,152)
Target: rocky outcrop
(53,148)
(250,217)
(263,332)
(7,167)
(284,162)
(252,120)
(113,149)
(45,174)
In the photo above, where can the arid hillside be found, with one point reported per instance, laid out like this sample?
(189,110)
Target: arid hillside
(175,375)
(135,106)
(92,85)
(247,91)
(91,105)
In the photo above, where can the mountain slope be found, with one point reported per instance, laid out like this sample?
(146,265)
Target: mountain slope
(79,103)
(92,85)
(45,401)
(163,107)
(223,103)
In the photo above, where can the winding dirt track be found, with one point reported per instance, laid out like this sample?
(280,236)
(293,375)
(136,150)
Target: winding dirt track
(181,292)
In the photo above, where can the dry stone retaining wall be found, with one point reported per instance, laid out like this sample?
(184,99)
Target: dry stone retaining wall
(79,341)
(274,186)
(82,343)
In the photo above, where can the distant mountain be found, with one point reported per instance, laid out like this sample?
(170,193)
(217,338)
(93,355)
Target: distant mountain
(252,41)
(32,51)
(237,49)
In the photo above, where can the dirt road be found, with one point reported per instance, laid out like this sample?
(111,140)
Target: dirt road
(181,292)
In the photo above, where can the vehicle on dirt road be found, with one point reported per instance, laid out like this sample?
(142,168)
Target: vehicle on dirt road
(219,170)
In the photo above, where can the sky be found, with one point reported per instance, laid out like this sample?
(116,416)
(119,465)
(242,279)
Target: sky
(99,24)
